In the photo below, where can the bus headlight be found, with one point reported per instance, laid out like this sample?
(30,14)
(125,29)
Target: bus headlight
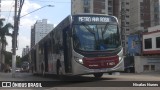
(78,60)
(120,58)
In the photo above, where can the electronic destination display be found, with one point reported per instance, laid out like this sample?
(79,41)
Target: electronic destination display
(78,19)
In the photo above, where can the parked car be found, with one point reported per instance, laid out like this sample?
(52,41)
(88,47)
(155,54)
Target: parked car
(18,69)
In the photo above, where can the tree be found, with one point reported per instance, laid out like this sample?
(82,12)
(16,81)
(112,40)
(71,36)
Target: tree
(4,30)
(8,57)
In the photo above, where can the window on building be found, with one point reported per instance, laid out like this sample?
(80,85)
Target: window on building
(148,43)
(141,3)
(123,23)
(109,2)
(141,9)
(123,44)
(142,24)
(142,16)
(146,67)
(123,3)
(127,16)
(127,22)
(127,9)
(127,3)
(86,10)
(109,8)
(123,37)
(127,29)
(157,42)
(86,2)
(152,67)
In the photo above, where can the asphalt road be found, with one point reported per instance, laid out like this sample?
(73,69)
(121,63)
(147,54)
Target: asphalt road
(87,82)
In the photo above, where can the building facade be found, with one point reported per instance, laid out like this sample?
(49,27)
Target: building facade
(150,61)
(109,7)
(137,16)
(151,41)
(25,51)
(39,30)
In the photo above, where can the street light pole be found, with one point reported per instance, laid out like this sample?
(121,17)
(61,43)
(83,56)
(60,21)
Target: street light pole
(37,10)
(15,31)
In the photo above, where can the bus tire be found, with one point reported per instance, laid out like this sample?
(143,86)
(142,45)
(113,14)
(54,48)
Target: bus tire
(98,75)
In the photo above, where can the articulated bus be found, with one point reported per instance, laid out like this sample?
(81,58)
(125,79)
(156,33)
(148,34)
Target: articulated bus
(80,44)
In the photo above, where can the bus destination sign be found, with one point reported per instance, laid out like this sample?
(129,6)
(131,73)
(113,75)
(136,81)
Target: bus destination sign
(93,19)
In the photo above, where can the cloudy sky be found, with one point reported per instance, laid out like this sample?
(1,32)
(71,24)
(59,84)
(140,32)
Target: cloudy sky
(61,9)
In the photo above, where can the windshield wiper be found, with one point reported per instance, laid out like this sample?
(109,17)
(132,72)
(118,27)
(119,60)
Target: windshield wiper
(88,28)
(91,31)
(105,28)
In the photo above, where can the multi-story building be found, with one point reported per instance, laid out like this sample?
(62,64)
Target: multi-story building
(125,22)
(137,16)
(32,36)
(109,7)
(40,29)
(155,12)
(150,60)
(142,43)
(25,51)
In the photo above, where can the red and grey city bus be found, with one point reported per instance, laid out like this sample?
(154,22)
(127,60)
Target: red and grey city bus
(80,44)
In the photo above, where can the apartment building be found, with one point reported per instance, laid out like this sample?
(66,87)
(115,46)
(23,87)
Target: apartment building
(109,7)
(25,51)
(39,30)
(137,16)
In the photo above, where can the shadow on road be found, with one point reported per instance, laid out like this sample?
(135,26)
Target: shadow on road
(86,78)
(71,81)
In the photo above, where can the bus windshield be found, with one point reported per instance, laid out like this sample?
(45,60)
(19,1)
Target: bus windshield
(98,37)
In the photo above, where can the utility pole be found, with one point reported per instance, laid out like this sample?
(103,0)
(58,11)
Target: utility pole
(14,39)
(17,13)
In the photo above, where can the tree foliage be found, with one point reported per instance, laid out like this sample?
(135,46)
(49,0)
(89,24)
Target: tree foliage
(8,59)
(4,30)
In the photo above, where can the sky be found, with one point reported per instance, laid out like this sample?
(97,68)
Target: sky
(54,15)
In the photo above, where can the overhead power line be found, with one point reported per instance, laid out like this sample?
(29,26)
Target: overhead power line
(10,11)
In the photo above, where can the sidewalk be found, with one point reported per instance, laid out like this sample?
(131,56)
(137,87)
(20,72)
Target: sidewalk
(31,77)
(23,77)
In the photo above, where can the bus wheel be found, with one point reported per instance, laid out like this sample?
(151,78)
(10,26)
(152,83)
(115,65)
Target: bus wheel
(98,75)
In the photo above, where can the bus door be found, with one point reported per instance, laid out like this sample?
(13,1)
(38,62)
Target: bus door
(67,51)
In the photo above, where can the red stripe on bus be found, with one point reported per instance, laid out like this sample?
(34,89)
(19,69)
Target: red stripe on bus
(100,62)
